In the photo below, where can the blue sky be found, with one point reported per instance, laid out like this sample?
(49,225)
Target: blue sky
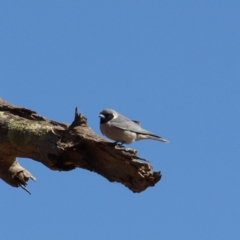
(174,66)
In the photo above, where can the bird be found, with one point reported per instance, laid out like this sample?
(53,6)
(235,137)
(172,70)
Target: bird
(123,130)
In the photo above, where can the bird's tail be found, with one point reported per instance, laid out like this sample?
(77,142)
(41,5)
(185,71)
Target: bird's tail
(152,136)
(158,138)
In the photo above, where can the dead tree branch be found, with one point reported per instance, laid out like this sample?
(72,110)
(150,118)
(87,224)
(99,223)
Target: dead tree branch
(64,147)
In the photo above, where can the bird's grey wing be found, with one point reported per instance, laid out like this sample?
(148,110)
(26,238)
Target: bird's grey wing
(127,124)
(137,122)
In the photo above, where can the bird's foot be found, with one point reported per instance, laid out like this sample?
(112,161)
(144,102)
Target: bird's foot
(118,143)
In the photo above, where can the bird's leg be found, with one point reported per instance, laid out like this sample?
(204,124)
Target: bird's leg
(118,143)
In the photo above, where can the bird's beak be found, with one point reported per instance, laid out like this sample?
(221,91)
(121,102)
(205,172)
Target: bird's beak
(101,116)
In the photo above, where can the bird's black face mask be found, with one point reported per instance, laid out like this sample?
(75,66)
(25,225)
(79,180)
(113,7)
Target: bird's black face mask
(105,118)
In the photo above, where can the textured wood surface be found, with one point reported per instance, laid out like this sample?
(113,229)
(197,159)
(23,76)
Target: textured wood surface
(23,133)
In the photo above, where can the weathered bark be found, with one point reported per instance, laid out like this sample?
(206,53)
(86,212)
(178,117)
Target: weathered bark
(64,147)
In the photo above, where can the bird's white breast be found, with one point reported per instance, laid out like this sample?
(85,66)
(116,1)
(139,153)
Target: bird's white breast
(117,134)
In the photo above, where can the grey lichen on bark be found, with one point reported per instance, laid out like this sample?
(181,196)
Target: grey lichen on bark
(65,147)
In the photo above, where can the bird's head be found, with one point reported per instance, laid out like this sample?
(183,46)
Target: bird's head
(107,115)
